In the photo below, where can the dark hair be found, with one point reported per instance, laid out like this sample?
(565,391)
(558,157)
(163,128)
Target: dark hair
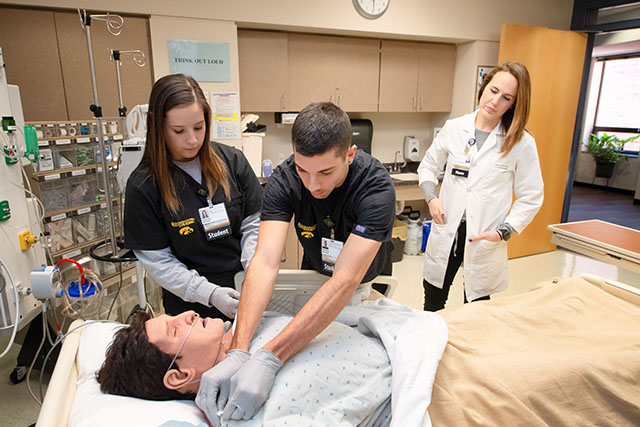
(515,118)
(320,127)
(135,367)
(177,90)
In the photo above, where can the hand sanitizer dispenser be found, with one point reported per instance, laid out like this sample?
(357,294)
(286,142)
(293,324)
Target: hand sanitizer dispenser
(411,149)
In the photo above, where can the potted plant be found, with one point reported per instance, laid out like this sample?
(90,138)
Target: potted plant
(606,150)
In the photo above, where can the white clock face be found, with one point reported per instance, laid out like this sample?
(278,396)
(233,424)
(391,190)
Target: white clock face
(371,9)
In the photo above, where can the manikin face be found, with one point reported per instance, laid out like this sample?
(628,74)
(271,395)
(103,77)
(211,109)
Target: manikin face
(323,173)
(202,349)
(184,130)
(498,96)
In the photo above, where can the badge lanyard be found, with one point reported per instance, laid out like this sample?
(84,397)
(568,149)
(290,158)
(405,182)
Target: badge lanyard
(470,143)
(330,249)
(327,221)
(214,219)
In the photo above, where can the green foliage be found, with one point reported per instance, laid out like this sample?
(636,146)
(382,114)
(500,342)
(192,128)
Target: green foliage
(607,148)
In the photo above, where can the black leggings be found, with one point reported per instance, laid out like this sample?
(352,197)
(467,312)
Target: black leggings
(434,297)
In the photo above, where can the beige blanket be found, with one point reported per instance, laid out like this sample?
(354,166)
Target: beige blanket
(565,354)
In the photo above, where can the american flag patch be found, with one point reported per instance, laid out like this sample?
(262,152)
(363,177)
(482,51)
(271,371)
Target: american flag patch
(361,228)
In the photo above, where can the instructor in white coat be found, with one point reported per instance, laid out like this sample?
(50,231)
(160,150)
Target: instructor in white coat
(487,156)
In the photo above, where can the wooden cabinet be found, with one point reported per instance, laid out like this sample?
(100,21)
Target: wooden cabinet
(263,67)
(399,65)
(416,76)
(286,72)
(357,73)
(342,70)
(312,64)
(45,54)
(435,76)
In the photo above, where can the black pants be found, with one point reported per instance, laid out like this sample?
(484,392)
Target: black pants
(434,297)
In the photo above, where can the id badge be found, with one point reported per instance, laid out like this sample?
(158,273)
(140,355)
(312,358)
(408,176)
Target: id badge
(461,168)
(215,221)
(330,250)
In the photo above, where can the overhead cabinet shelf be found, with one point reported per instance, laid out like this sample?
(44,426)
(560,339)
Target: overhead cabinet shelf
(287,71)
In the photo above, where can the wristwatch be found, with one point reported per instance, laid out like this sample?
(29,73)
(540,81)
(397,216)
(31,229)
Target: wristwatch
(505,233)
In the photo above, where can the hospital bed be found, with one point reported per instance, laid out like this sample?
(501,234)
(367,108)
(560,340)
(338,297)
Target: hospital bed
(565,353)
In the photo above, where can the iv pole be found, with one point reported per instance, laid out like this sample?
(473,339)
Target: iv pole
(140,60)
(114,28)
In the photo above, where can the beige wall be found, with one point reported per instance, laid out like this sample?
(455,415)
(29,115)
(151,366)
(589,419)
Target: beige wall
(165,28)
(455,20)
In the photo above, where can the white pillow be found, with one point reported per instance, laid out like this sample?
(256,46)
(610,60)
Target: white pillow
(92,408)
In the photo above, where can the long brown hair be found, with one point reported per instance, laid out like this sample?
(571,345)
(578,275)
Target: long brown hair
(172,91)
(515,118)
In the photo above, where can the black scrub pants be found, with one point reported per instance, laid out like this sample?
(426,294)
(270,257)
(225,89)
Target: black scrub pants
(434,297)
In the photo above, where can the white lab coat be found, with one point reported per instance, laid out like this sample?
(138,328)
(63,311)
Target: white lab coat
(485,195)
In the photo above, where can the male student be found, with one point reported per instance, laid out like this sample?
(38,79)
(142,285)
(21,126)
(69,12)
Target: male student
(343,204)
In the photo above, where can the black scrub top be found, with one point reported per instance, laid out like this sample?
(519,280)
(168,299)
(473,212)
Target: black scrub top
(149,225)
(363,205)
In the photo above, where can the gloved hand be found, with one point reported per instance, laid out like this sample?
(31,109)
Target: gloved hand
(226,300)
(214,385)
(251,385)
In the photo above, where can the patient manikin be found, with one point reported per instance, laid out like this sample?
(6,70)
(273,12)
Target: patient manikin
(163,358)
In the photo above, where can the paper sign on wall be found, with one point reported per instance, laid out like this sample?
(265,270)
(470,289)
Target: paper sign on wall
(225,107)
(204,61)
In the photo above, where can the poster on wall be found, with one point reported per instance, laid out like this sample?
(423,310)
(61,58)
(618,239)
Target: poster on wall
(482,71)
(225,107)
(204,61)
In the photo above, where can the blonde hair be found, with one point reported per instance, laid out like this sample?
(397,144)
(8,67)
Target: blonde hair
(169,92)
(515,118)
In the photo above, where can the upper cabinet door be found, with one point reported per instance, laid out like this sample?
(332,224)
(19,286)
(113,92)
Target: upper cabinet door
(435,81)
(399,65)
(262,63)
(357,74)
(312,70)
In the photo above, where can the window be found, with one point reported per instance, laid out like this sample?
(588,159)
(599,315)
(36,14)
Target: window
(618,106)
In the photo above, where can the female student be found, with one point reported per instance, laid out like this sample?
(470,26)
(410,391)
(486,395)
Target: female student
(192,205)
(489,156)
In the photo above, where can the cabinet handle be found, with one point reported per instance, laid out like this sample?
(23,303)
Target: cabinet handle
(282,102)
(415,99)
(330,98)
(421,101)
(284,255)
(339,100)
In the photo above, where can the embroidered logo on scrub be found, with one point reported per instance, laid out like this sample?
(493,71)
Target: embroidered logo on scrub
(361,228)
(185,231)
(184,226)
(307,230)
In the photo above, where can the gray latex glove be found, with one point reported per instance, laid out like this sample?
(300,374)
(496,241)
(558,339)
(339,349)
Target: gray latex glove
(226,300)
(214,385)
(251,385)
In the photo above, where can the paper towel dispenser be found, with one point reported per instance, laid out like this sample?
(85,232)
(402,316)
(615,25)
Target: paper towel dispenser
(362,134)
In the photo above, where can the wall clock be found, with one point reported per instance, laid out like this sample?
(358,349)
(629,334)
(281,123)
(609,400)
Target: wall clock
(371,9)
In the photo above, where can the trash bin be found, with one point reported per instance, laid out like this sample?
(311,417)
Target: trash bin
(399,237)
